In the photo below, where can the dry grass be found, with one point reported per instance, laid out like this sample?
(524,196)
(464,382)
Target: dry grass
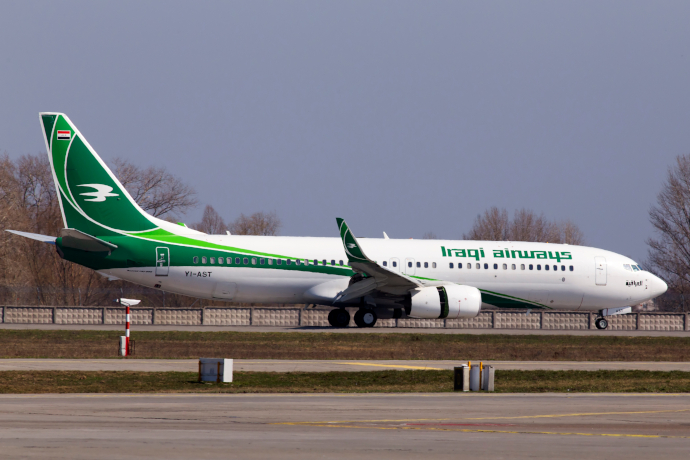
(274,345)
(32,382)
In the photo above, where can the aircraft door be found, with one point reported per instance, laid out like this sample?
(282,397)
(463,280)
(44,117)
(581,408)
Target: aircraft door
(600,271)
(409,266)
(394,265)
(162,261)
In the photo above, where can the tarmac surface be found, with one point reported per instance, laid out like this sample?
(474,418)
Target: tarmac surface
(275,365)
(363,426)
(349,330)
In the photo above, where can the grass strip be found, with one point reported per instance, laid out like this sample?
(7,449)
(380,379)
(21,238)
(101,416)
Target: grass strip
(300,345)
(33,382)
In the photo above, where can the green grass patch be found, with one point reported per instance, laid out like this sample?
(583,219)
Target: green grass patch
(300,345)
(23,382)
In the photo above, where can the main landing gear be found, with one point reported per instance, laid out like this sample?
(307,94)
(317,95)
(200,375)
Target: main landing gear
(339,317)
(365,318)
(601,323)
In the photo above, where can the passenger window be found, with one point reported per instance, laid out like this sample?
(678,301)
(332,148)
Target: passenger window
(279,261)
(237,260)
(486,266)
(450,265)
(262,261)
(555,268)
(433,265)
(562,268)
(426,264)
(332,262)
(419,265)
(245,261)
(505,266)
(469,266)
(221,260)
(341,263)
(213,260)
(306,261)
(253,260)
(270,261)
(478,266)
(539,267)
(513,267)
(495,266)
(572,268)
(395,264)
(522,267)
(409,264)
(296,261)
(288,262)
(460,265)
(316,262)
(531,267)
(203,260)
(546,267)
(385,264)
(325,262)
(196,259)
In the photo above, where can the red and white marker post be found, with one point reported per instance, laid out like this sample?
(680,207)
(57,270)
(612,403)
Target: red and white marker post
(127,320)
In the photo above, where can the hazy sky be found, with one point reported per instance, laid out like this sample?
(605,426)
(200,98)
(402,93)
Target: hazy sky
(400,116)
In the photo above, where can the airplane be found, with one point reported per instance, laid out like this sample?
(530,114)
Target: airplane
(107,231)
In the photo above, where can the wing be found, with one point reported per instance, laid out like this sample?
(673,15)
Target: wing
(378,278)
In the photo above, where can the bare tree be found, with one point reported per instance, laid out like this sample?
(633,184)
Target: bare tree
(211,222)
(526,225)
(157,191)
(259,223)
(669,250)
(429,236)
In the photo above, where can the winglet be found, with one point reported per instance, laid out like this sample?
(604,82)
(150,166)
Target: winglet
(352,248)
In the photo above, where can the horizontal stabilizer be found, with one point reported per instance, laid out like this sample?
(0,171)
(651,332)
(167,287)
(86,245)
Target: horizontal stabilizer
(35,236)
(74,239)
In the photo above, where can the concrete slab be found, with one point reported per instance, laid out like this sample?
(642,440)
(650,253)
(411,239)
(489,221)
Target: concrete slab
(349,330)
(363,426)
(275,365)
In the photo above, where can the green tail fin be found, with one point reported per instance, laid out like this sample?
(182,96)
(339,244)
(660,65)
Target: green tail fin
(92,200)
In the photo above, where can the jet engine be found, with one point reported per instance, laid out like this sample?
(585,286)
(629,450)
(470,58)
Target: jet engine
(449,301)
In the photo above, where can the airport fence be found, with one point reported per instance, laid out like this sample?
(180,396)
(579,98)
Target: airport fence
(316,317)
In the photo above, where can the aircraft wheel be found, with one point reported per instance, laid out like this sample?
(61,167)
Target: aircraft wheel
(365,318)
(339,317)
(601,323)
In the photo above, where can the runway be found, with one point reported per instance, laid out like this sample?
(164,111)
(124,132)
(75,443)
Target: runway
(349,330)
(381,426)
(275,365)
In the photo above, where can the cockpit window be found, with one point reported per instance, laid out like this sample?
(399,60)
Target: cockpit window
(635,268)
(627,267)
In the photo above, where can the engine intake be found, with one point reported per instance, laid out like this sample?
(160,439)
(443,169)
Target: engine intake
(448,301)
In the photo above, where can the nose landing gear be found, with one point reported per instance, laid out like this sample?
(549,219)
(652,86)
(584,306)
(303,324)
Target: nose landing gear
(601,323)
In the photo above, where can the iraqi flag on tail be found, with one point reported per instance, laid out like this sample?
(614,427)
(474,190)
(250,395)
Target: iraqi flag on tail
(64,134)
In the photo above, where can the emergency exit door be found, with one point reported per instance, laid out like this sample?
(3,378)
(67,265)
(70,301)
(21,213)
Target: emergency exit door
(162,261)
(600,271)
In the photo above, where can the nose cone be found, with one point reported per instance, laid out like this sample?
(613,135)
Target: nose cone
(657,286)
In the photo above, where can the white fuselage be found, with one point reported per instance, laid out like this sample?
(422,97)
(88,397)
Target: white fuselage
(591,279)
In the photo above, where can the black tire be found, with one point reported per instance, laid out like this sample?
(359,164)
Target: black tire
(331,317)
(365,318)
(369,318)
(359,321)
(601,323)
(339,317)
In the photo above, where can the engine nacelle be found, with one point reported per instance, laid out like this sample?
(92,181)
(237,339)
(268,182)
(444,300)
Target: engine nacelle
(449,301)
